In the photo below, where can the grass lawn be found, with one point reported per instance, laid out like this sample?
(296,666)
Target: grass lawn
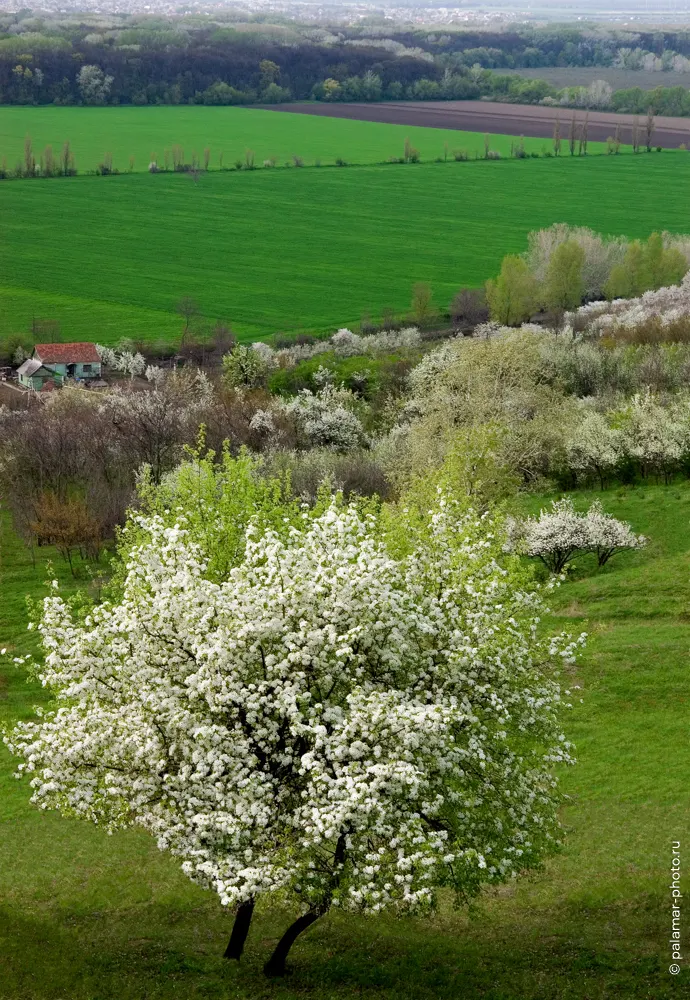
(299,249)
(88,917)
(141,132)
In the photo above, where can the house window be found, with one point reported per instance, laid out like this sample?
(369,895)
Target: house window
(86,369)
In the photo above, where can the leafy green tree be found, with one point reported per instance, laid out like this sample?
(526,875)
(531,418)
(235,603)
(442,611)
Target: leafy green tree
(244,367)
(514,295)
(646,266)
(628,279)
(663,266)
(564,285)
(423,308)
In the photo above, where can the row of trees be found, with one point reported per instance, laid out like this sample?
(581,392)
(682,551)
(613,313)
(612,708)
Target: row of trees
(564,267)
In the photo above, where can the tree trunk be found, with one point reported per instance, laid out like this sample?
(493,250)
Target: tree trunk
(275,966)
(240,929)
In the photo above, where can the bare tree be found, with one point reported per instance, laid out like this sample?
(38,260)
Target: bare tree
(636,134)
(67,164)
(572,137)
(468,308)
(207,158)
(617,139)
(584,138)
(649,129)
(557,138)
(29,161)
(48,168)
(188,309)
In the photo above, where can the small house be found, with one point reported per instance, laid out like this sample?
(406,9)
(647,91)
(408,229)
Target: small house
(51,364)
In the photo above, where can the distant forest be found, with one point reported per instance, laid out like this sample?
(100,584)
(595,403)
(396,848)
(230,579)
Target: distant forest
(98,60)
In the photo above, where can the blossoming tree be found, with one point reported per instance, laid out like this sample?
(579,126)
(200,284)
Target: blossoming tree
(348,719)
(557,534)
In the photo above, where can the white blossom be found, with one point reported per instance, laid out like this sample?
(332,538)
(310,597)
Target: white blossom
(325,417)
(331,721)
(557,534)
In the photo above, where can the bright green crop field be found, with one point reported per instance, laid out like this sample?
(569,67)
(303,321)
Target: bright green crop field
(84,916)
(145,133)
(287,250)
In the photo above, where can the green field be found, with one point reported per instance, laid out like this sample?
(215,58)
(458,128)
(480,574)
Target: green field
(89,917)
(290,250)
(141,132)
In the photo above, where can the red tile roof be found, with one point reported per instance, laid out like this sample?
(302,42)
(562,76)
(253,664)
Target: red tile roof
(66,354)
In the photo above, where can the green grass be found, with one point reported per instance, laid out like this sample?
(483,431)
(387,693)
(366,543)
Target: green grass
(299,249)
(139,132)
(87,917)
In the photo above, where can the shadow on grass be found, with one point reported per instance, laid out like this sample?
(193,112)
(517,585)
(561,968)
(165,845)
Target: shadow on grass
(586,952)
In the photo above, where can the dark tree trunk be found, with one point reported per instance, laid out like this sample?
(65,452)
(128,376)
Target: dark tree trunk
(275,966)
(240,929)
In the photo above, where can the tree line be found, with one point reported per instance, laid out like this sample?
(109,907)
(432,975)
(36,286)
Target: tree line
(178,61)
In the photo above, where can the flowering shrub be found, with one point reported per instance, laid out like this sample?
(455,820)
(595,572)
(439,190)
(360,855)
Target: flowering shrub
(654,435)
(593,446)
(666,306)
(331,724)
(608,535)
(557,534)
(247,367)
(325,419)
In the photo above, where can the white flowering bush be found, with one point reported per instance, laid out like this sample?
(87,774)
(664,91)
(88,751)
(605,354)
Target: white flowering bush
(557,534)
(331,724)
(655,436)
(130,363)
(424,377)
(593,447)
(325,418)
(666,305)
(107,355)
(609,535)
(554,536)
(346,344)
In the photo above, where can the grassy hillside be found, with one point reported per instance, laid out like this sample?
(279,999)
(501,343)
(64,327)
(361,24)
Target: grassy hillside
(299,249)
(139,132)
(87,916)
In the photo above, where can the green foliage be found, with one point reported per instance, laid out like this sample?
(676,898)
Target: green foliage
(514,295)
(360,374)
(564,287)
(422,306)
(219,496)
(646,266)
(244,368)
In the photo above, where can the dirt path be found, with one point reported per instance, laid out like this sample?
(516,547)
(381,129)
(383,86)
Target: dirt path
(502,119)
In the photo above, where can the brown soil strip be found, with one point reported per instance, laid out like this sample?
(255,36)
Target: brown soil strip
(501,119)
